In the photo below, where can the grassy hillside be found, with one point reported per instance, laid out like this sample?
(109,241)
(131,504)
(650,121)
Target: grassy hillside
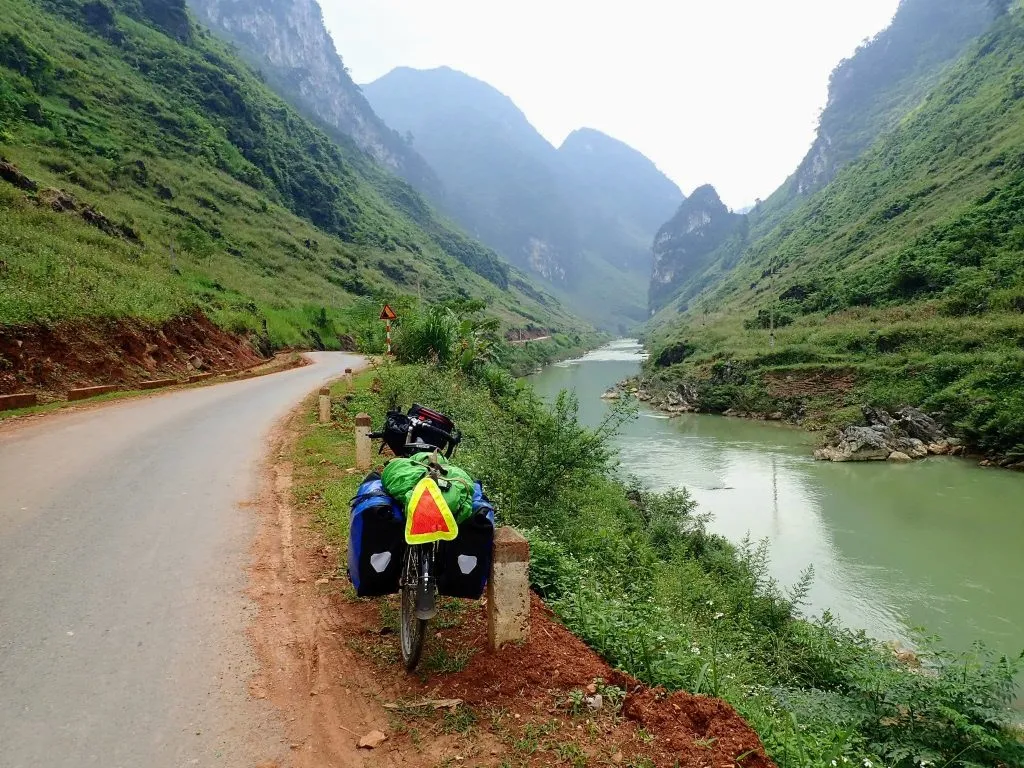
(905,276)
(870,93)
(215,194)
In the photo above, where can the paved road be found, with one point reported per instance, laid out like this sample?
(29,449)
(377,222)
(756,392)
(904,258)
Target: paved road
(123,546)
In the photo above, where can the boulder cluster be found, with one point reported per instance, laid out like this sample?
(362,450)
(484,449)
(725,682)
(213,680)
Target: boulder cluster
(673,402)
(905,435)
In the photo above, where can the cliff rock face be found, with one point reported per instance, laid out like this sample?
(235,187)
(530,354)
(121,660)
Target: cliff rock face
(684,245)
(287,41)
(870,92)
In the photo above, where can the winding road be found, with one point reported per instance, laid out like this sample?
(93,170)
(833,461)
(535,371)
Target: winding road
(124,540)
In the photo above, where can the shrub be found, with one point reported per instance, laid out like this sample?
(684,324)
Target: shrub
(638,576)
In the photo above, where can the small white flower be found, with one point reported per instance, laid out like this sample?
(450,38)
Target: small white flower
(867,763)
(711,602)
(834,764)
(695,649)
(719,615)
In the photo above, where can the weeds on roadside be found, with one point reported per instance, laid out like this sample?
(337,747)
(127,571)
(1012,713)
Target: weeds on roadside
(640,579)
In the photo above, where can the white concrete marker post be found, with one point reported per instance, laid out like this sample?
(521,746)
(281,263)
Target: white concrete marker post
(508,590)
(325,405)
(363,446)
(348,378)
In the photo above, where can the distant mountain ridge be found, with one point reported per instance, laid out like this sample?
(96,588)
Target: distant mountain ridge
(499,172)
(621,196)
(581,216)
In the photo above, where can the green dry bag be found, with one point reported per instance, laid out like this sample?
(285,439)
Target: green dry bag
(400,477)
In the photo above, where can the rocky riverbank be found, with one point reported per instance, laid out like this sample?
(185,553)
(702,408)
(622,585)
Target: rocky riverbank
(905,435)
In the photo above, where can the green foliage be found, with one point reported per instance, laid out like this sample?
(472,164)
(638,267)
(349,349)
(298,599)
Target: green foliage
(905,271)
(449,335)
(241,207)
(640,578)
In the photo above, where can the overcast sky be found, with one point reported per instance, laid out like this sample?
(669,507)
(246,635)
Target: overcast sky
(725,92)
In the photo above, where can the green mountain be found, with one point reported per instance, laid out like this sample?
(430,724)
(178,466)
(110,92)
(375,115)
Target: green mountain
(683,247)
(619,195)
(869,94)
(902,281)
(148,172)
(563,214)
(287,42)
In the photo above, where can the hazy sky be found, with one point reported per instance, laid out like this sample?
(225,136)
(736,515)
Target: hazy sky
(713,91)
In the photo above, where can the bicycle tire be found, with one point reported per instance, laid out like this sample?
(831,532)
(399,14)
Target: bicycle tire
(413,630)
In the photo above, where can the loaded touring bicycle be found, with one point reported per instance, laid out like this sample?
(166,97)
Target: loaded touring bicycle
(422,527)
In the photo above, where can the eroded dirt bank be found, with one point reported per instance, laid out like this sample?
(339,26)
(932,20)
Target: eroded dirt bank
(50,360)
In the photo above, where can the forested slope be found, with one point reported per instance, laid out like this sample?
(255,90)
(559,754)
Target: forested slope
(148,172)
(905,275)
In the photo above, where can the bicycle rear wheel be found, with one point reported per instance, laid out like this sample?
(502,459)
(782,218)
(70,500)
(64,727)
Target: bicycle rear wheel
(413,630)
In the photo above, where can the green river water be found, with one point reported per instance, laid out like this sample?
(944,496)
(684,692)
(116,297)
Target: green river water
(937,544)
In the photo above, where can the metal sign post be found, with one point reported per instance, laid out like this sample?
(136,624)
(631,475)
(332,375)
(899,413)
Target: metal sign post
(387,315)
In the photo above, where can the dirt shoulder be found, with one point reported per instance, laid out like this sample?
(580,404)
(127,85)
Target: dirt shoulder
(282,361)
(330,661)
(50,360)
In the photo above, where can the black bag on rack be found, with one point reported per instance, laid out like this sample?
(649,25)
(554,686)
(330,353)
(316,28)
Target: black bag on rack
(376,541)
(464,565)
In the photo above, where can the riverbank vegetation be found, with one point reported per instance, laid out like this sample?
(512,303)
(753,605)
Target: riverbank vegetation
(460,335)
(639,577)
(900,283)
(821,370)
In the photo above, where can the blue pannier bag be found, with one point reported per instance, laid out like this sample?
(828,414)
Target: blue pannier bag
(464,564)
(376,541)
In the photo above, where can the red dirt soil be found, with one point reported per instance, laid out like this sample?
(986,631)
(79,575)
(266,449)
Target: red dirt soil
(687,730)
(331,663)
(801,384)
(51,360)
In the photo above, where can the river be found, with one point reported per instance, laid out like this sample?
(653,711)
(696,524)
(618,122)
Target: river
(936,544)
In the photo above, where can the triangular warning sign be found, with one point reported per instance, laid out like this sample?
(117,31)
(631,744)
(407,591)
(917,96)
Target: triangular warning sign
(388,313)
(427,517)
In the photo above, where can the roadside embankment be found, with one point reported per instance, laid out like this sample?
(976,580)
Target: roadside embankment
(549,701)
(641,581)
(51,360)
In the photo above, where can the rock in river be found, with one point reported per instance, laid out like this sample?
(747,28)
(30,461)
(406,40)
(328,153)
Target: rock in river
(857,444)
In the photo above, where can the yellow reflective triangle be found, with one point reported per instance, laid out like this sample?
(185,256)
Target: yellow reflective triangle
(427,516)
